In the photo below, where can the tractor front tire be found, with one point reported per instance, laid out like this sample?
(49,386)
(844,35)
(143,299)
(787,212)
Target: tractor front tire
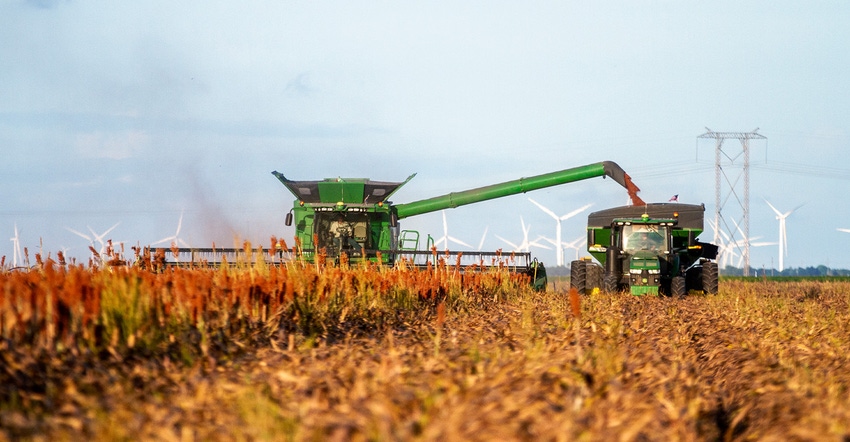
(578,276)
(710,277)
(610,283)
(678,287)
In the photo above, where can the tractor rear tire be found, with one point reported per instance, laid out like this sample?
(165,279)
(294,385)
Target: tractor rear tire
(594,277)
(610,283)
(710,283)
(678,287)
(578,276)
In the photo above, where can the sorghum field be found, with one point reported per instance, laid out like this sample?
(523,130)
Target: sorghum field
(321,352)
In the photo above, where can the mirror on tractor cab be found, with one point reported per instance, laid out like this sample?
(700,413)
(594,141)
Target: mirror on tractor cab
(288,220)
(591,240)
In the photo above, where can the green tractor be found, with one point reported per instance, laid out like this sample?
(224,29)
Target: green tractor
(354,216)
(647,249)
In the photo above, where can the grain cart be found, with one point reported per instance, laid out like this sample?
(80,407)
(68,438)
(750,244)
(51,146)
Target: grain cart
(647,249)
(354,216)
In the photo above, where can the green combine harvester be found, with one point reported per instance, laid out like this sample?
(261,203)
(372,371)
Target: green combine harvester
(354,216)
(647,249)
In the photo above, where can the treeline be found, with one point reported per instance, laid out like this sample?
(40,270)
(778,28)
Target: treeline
(802,272)
(820,270)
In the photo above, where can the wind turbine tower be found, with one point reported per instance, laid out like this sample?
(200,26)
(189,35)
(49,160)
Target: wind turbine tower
(732,168)
(16,247)
(783,239)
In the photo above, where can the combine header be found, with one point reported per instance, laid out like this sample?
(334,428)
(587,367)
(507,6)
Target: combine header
(354,216)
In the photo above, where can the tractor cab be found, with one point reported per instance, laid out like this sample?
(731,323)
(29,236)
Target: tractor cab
(649,237)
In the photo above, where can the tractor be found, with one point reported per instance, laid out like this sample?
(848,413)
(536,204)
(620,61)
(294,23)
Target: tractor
(649,249)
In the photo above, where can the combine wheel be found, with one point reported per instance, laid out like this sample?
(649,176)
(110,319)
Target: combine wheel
(578,275)
(594,277)
(610,282)
(678,287)
(709,278)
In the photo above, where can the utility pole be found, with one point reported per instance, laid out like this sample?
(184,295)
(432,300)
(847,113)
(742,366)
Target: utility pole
(737,189)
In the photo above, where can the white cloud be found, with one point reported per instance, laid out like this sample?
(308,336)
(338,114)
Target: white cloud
(114,146)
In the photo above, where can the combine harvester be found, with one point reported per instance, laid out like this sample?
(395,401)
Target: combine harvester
(353,216)
(647,249)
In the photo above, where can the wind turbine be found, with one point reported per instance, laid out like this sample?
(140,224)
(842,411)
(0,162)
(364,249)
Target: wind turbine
(446,238)
(576,244)
(726,246)
(174,239)
(783,240)
(559,246)
(99,238)
(16,247)
(525,245)
(744,240)
(95,237)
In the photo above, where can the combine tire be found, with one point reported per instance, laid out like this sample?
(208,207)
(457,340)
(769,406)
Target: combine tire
(594,277)
(578,276)
(678,287)
(709,278)
(610,282)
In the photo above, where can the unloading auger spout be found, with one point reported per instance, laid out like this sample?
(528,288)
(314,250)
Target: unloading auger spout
(522,185)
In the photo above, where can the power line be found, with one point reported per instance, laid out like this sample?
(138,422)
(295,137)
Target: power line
(734,191)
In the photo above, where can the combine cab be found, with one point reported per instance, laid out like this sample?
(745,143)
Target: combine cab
(647,249)
(354,216)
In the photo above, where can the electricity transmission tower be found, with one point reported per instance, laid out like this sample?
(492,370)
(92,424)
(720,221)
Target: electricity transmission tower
(732,168)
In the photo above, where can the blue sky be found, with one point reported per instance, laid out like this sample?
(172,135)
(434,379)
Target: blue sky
(133,113)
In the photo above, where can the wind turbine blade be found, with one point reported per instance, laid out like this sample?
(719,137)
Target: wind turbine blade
(515,247)
(548,212)
(110,229)
(82,235)
(575,212)
(576,242)
(481,243)
(457,241)
(778,213)
(179,223)
(538,245)
(549,240)
(167,239)
(843,230)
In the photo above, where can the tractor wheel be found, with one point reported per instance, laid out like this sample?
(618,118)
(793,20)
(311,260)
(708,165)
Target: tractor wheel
(610,283)
(678,287)
(578,276)
(709,278)
(594,277)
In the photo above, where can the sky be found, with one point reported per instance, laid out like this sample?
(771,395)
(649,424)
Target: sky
(152,114)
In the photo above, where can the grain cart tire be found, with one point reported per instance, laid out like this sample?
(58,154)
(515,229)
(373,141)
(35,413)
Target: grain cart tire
(578,276)
(610,282)
(709,278)
(594,277)
(678,287)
